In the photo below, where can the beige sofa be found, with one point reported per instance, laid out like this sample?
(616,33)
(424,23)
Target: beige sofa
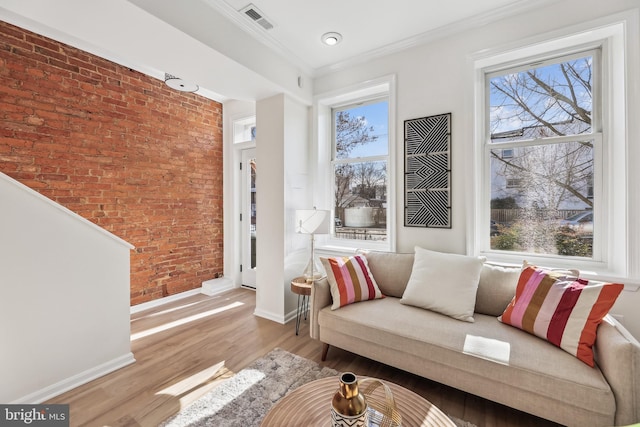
(485,358)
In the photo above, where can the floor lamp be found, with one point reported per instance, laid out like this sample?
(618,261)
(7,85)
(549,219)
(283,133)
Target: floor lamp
(312,222)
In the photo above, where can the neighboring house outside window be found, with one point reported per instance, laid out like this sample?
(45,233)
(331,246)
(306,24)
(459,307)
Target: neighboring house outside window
(360,163)
(549,144)
(512,183)
(545,115)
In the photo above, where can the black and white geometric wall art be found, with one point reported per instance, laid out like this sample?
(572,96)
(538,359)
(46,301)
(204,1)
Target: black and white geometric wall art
(427,172)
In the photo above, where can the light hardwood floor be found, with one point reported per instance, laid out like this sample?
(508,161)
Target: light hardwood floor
(185,348)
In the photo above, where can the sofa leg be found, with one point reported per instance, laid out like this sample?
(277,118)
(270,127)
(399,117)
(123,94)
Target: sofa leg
(325,350)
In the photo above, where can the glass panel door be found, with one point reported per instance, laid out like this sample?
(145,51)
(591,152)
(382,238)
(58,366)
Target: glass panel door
(248,223)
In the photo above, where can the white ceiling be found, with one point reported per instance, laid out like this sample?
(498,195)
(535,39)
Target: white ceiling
(213,44)
(366,25)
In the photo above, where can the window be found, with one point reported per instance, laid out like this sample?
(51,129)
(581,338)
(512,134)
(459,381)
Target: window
(559,105)
(359,160)
(544,115)
(546,109)
(354,168)
(244,130)
(507,153)
(514,183)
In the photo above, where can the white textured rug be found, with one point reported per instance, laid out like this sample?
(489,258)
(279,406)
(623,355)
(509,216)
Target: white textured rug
(244,399)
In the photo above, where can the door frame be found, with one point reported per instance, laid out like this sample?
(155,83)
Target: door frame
(248,274)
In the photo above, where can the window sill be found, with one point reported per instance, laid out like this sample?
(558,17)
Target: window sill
(586,271)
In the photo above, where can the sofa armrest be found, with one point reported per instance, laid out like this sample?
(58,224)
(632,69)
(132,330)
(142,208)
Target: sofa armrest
(618,356)
(320,298)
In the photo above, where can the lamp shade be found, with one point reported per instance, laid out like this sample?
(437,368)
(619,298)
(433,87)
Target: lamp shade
(312,221)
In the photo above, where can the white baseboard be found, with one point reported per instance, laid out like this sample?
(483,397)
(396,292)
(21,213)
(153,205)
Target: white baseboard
(279,318)
(77,380)
(161,301)
(216,286)
(291,316)
(209,288)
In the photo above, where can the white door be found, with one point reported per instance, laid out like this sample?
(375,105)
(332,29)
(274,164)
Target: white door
(248,217)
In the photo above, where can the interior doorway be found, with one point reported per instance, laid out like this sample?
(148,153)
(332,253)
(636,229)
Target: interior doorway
(248,218)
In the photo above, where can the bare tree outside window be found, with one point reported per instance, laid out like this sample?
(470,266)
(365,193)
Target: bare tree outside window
(360,170)
(544,115)
(351,132)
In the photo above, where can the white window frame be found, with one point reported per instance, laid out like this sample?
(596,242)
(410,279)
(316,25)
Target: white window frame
(595,136)
(244,129)
(324,181)
(614,257)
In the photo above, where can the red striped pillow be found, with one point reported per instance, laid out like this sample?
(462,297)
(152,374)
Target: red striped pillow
(350,280)
(565,311)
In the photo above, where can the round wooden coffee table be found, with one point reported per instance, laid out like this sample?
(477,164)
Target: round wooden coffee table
(310,406)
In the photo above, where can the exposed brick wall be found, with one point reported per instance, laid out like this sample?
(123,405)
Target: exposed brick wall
(121,149)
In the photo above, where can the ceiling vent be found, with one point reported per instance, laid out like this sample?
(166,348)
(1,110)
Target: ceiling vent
(257,16)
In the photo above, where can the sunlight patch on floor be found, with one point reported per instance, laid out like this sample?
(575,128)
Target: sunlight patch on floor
(247,379)
(196,380)
(168,310)
(184,321)
(203,410)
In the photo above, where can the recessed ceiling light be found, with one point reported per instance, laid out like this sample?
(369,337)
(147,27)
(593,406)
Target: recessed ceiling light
(331,39)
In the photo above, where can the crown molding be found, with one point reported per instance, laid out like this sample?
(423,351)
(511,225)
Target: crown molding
(436,34)
(259,34)
(79,43)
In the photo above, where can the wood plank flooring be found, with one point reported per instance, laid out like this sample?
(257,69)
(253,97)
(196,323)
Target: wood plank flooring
(185,348)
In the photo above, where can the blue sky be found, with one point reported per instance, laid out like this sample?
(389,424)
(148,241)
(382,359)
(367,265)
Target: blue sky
(376,116)
(509,117)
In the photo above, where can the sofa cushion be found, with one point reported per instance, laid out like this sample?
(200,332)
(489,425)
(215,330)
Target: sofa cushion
(496,288)
(445,283)
(486,348)
(391,271)
(564,311)
(350,280)
(618,357)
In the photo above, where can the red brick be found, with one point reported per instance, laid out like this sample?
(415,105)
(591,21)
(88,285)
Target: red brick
(120,149)
(61,64)
(9,44)
(51,53)
(42,42)
(29,54)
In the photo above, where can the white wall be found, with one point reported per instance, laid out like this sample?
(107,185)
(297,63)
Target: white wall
(435,78)
(64,297)
(282,159)
(297,195)
(217,55)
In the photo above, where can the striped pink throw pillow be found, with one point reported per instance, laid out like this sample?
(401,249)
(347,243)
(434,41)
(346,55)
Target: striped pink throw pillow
(350,280)
(562,310)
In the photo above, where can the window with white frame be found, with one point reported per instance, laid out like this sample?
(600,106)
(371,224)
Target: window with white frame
(355,164)
(244,130)
(544,114)
(507,153)
(556,109)
(359,164)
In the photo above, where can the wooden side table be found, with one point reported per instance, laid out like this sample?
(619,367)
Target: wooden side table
(300,287)
(310,406)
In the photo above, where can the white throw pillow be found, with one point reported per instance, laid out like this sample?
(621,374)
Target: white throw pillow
(445,283)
